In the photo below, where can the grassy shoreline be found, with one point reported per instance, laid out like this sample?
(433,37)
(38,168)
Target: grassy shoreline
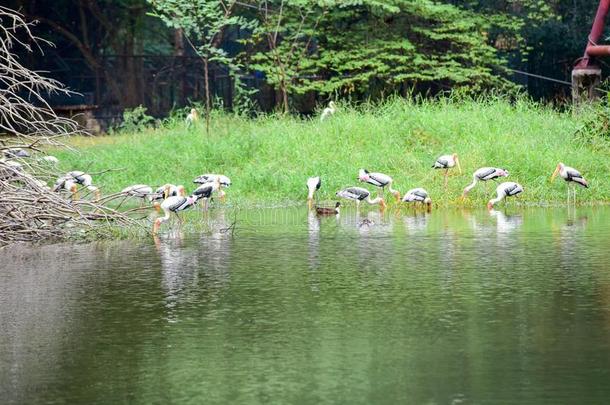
(269,158)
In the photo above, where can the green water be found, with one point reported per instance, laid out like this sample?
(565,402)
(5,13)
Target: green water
(442,308)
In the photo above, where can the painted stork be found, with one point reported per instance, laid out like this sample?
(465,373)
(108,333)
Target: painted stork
(211,178)
(378,180)
(16,153)
(313,184)
(192,118)
(322,211)
(484,174)
(506,189)
(173,204)
(446,162)
(572,177)
(71,180)
(205,191)
(328,111)
(139,191)
(360,194)
(169,190)
(418,195)
(50,159)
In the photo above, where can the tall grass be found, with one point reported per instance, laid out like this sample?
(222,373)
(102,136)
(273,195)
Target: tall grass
(269,158)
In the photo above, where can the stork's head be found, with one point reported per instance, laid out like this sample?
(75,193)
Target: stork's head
(363,175)
(181,190)
(490,206)
(166,190)
(428,202)
(503,172)
(558,169)
(157,206)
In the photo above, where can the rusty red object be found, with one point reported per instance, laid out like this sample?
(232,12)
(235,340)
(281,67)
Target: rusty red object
(593,49)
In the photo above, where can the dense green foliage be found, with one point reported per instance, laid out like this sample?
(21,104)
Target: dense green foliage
(270,158)
(366,49)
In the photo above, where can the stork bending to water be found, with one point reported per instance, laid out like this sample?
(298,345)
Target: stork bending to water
(360,194)
(173,204)
(484,174)
(313,184)
(205,191)
(71,180)
(418,195)
(378,180)
(506,189)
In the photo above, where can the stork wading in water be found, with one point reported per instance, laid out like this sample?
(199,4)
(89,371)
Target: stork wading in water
(192,118)
(169,190)
(418,195)
(142,191)
(205,191)
(506,189)
(378,180)
(71,180)
(324,211)
(572,177)
(484,174)
(173,204)
(360,194)
(211,178)
(328,111)
(447,162)
(313,185)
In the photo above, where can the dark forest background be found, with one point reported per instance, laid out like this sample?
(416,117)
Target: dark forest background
(125,53)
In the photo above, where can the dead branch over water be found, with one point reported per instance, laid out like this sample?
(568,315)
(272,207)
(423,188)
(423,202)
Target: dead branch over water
(29,210)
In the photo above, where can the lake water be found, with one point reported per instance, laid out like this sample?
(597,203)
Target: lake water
(442,308)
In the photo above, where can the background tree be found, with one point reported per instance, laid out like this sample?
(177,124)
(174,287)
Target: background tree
(203,23)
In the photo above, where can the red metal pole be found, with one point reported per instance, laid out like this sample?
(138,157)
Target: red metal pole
(597,30)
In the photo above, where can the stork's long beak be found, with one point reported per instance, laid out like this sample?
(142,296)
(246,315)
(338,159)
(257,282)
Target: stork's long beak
(382,204)
(555,174)
(74,192)
(157,207)
(490,206)
(309,203)
(156,225)
(98,195)
(166,192)
(457,162)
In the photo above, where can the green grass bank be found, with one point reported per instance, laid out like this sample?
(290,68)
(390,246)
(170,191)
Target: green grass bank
(269,158)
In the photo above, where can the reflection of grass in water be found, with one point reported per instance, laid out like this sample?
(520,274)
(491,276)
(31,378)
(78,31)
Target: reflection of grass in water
(270,158)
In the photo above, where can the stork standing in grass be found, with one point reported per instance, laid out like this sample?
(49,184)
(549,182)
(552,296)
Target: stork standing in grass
(71,180)
(328,111)
(572,177)
(446,162)
(378,180)
(313,184)
(173,204)
(484,174)
(418,195)
(211,178)
(192,118)
(506,189)
(360,194)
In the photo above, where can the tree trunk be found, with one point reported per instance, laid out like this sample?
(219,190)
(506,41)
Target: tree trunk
(207,96)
